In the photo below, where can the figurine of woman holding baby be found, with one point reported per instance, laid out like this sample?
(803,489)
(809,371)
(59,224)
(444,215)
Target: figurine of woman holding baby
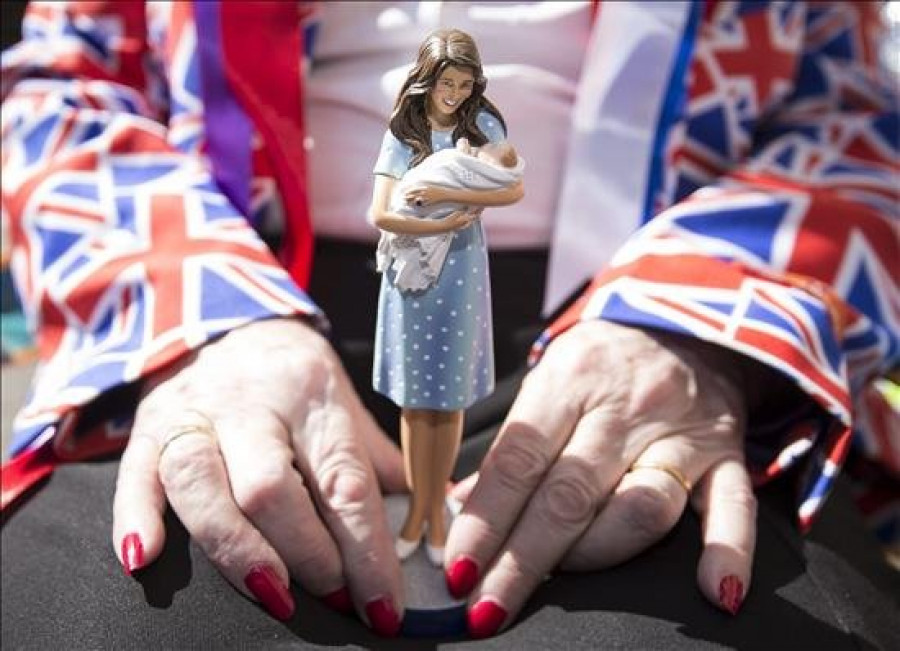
(433,344)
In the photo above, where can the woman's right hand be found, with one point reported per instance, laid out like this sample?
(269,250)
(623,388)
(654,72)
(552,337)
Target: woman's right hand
(460,219)
(273,465)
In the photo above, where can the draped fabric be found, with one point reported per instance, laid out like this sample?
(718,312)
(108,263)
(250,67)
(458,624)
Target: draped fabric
(775,231)
(772,228)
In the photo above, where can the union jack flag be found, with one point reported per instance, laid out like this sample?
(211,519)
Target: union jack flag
(775,228)
(777,232)
(127,253)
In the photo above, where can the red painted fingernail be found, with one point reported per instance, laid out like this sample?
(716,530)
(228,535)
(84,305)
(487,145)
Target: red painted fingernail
(339,600)
(267,587)
(132,553)
(382,617)
(731,594)
(461,577)
(485,618)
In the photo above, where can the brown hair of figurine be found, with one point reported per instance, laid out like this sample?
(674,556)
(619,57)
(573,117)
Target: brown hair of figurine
(442,49)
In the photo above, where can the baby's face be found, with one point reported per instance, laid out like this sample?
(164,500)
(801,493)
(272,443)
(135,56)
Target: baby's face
(490,153)
(500,154)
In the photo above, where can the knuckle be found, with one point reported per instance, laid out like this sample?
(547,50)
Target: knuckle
(345,483)
(569,500)
(187,462)
(258,492)
(575,372)
(648,511)
(226,547)
(310,361)
(520,461)
(574,362)
(578,349)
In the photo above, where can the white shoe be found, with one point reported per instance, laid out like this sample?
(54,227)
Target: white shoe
(405,548)
(435,555)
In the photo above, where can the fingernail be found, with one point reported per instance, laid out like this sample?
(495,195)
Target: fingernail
(461,577)
(339,600)
(132,553)
(382,617)
(731,594)
(268,589)
(485,619)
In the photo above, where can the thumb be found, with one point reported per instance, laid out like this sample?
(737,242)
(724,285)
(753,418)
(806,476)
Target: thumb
(463,488)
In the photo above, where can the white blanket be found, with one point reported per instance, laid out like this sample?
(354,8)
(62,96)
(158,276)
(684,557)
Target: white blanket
(418,260)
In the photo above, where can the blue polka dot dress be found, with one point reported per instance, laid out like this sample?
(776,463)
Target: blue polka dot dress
(434,347)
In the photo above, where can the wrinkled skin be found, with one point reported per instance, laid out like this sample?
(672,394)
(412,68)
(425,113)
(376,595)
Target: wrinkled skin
(287,468)
(555,489)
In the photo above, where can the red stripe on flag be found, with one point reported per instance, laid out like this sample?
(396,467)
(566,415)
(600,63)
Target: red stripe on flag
(263,44)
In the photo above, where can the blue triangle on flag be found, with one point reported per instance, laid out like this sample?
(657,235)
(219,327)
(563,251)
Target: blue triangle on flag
(750,227)
(130,175)
(711,128)
(864,297)
(222,299)
(56,242)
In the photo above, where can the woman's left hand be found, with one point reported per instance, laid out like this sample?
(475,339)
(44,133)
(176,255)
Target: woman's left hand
(611,435)
(424,195)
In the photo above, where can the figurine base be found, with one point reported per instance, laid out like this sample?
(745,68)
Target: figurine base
(430,609)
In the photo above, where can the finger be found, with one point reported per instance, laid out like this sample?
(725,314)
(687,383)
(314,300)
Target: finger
(417,191)
(727,507)
(462,489)
(344,482)
(139,504)
(537,427)
(195,481)
(645,505)
(457,494)
(562,507)
(270,492)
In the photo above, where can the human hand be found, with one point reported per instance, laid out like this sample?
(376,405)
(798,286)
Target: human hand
(424,195)
(273,465)
(460,219)
(594,464)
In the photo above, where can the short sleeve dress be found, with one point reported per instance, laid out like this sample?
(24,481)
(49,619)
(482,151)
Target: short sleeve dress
(434,347)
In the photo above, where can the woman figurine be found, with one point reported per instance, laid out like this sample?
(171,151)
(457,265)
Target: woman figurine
(434,346)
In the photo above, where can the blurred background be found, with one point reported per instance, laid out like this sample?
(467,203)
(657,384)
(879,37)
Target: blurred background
(17,365)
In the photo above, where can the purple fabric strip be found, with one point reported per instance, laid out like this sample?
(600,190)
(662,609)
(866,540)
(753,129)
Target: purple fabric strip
(228,129)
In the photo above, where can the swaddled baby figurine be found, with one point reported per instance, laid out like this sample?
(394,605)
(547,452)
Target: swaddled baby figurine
(417,261)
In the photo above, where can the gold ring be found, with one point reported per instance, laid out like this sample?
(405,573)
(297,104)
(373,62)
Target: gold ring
(185,430)
(674,473)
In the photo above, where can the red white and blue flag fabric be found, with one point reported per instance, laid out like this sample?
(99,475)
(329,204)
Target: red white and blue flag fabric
(127,253)
(770,211)
(773,228)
